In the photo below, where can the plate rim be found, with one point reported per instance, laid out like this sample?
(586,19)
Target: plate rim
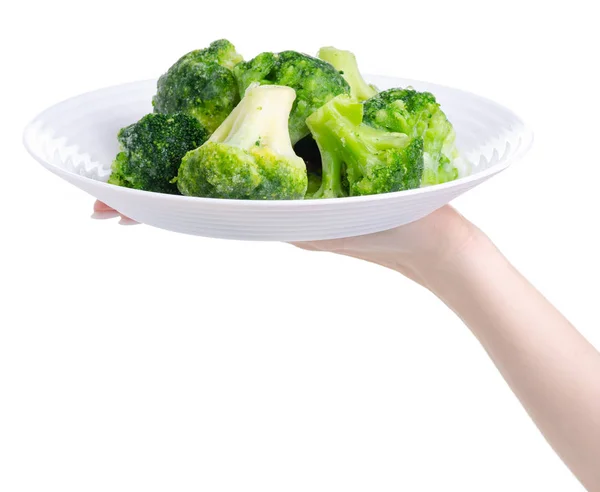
(526,141)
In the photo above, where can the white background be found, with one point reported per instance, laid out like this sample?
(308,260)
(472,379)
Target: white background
(134,359)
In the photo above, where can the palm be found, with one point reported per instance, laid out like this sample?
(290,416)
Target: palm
(408,248)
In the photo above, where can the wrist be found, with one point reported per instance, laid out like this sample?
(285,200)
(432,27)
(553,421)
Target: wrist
(469,278)
(466,252)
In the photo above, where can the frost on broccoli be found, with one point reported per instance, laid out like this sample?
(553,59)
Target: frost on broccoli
(418,114)
(315,82)
(201,84)
(345,63)
(359,159)
(152,150)
(250,156)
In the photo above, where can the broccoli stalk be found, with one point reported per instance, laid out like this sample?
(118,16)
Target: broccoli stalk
(345,62)
(314,81)
(250,156)
(370,160)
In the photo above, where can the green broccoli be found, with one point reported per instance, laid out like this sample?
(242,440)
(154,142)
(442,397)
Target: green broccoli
(345,62)
(362,159)
(250,155)
(418,114)
(315,82)
(152,149)
(201,84)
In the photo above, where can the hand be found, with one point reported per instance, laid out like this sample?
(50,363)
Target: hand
(413,249)
(103,211)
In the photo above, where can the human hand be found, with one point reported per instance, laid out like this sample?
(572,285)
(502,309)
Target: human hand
(415,249)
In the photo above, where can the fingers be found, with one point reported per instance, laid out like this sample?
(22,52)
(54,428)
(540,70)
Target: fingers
(103,211)
(102,207)
(126,221)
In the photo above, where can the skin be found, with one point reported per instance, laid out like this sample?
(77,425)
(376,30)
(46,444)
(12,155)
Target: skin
(552,369)
(103,211)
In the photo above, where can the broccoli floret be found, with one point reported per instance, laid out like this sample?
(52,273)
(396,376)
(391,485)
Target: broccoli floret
(418,114)
(315,82)
(152,149)
(363,159)
(201,84)
(250,155)
(345,62)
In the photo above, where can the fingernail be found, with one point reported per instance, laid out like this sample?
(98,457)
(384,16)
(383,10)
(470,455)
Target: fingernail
(102,207)
(104,215)
(126,221)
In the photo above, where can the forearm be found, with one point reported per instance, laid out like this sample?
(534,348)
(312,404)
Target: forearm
(550,366)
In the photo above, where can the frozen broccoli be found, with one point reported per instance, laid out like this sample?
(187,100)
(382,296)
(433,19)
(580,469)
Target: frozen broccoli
(201,84)
(250,155)
(315,82)
(418,114)
(359,159)
(345,62)
(152,149)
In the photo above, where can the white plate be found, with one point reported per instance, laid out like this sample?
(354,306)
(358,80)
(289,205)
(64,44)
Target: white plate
(76,139)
